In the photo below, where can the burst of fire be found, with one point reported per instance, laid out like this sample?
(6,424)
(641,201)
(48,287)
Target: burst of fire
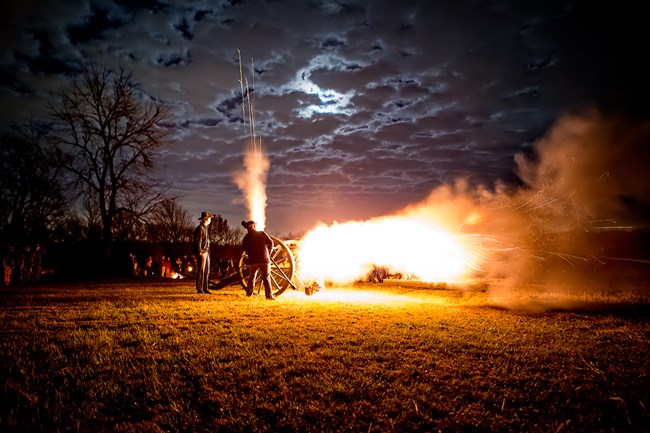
(406,244)
(541,232)
(532,233)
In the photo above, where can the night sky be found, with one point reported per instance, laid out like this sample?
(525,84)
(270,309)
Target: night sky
(363,107)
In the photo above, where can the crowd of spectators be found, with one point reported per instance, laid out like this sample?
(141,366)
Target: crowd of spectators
(180,267)
(23,266)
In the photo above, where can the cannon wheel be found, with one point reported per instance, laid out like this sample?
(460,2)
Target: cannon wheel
(282,269)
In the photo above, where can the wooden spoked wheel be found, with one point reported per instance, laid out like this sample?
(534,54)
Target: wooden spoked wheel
(282,269)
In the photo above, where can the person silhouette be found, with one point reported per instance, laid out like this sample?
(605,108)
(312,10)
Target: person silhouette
(258,246)
(202,252)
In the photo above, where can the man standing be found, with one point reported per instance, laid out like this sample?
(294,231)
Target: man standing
(258,246)
(37,263)
(8,264)
(202,252)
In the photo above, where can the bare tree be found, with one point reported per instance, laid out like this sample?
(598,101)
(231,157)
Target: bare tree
(32,200)
(109,135)
(128,226)
(221,233)
(170,222)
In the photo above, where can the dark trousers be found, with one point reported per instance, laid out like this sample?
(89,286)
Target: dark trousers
(202,272)
(264,270)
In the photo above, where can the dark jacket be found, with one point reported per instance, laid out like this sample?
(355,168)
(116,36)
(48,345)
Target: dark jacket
(257,245)
(201,240)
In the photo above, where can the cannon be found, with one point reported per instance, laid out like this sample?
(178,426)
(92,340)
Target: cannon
(283,269)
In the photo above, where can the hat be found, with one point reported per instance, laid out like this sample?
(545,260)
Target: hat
(205,215)
(247,224)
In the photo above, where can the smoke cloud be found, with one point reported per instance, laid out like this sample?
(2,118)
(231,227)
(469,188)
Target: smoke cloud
(599,163)
(577,224)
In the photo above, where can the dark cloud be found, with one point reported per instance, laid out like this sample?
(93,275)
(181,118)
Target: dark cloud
(98,21)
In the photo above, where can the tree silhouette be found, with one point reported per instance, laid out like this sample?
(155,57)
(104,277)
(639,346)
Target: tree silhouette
(170,222)
(32,201)
(109,135)
(221,233)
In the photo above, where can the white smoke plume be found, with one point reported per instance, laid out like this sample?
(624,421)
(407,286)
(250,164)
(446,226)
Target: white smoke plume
(252,182)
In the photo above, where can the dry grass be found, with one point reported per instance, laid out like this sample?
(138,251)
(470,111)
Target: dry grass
(129,356)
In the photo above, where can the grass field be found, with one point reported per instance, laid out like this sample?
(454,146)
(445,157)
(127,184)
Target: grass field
(151,356)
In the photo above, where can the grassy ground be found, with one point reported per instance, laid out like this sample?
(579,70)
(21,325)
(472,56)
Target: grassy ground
(151,356)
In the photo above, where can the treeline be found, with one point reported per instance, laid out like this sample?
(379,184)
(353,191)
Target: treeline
(80,180)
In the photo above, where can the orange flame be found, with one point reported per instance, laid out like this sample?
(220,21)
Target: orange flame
(410,244)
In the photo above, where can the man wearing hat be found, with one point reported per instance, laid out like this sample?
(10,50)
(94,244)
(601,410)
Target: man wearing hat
(202,252)
(258,246)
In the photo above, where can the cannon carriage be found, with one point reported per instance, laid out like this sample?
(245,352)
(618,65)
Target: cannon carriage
(284,273)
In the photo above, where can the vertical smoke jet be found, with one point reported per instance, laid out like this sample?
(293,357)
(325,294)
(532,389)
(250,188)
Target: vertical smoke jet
(252,179)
